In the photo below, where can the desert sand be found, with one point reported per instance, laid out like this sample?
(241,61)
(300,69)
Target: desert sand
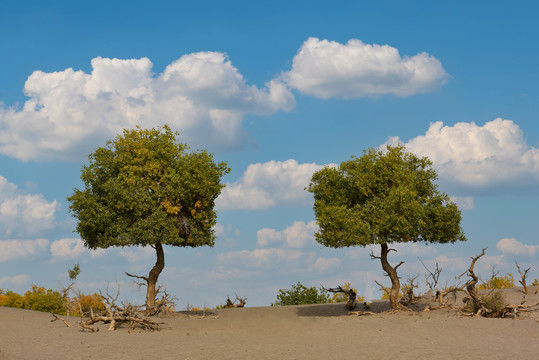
(290,332)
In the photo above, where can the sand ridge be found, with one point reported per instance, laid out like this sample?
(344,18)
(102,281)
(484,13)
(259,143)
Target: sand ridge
(292,332)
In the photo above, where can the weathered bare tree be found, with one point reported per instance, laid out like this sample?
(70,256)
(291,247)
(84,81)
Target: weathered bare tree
(523,276)
(352,295)
(432,277)
(408,296)
(492,305)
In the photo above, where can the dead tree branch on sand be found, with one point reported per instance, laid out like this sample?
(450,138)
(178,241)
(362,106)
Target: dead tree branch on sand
(491,305)
(115,315)
(351,304)
(232,304)
(56,317)
(523,277)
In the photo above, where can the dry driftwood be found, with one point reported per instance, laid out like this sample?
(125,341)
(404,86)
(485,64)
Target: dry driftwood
(115,315)
(232,304)
(351,303)
(56,317)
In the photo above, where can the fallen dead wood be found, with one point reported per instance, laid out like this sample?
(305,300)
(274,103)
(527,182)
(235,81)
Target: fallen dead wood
(116,315)
(361,313)
(351,303)
(56,317)
(232,304)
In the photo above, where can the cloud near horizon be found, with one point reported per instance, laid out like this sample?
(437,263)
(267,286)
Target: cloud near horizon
(21,249)
(478,157)
(22,214)
(264,185)
(328,69)
(70,112)
(514,247)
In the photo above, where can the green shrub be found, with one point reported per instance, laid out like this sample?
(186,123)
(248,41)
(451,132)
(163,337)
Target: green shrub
(46,300)
(301,295)
(11,299)
(498,282)
(495,303)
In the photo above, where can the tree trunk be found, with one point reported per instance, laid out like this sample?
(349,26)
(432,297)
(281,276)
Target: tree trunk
(154,275)
(392,273)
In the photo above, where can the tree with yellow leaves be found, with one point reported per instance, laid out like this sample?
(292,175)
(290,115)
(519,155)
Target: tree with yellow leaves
(145,189)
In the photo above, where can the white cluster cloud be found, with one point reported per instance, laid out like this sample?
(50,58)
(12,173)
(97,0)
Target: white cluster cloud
(21,249)
(478,156)
(277,258)
(23,214)
(202,95)
(265,257)
(327,69)
(514,247)
(16,281)
(70,112)
(298,235)
(67,248)
(273,183)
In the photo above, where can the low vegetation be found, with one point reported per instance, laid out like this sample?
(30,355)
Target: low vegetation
(301,295)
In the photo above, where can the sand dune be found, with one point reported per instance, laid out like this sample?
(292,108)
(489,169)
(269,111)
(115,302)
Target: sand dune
(291,332)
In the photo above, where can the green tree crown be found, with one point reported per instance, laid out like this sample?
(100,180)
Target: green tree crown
(144,187)
(383,197)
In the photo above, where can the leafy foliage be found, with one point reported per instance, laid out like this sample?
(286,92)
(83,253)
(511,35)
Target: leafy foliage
(498,282)
(11,299)
(382,197)
(535,282)
(301,295)
(46,300)
(144,187)
(85,302)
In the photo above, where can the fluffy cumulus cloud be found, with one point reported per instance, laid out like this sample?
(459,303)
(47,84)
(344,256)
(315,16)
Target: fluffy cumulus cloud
(70,112)
(266,258)
(327,69)
(21,249)
(514,247)
(67,248)
(478,156)
(280,259)
(264,185)
(297,235)
(16,281)
(23,214)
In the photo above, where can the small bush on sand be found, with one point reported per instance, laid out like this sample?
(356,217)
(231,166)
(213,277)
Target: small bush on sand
(301,295)
(46,300)
(11,299)
(86,302)
(498,282)
(494,303)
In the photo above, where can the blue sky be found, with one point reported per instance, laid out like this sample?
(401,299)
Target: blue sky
(277,90)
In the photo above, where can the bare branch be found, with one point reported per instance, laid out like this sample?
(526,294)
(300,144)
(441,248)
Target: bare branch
(523,277)
(56,317)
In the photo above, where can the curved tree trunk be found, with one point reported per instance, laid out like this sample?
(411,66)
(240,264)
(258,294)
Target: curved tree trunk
(154,275)
(392,273)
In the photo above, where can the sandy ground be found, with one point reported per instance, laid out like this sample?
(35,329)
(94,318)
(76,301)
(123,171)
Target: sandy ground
(291,332)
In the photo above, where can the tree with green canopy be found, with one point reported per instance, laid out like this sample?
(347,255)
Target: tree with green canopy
(144,188)
(383,197)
